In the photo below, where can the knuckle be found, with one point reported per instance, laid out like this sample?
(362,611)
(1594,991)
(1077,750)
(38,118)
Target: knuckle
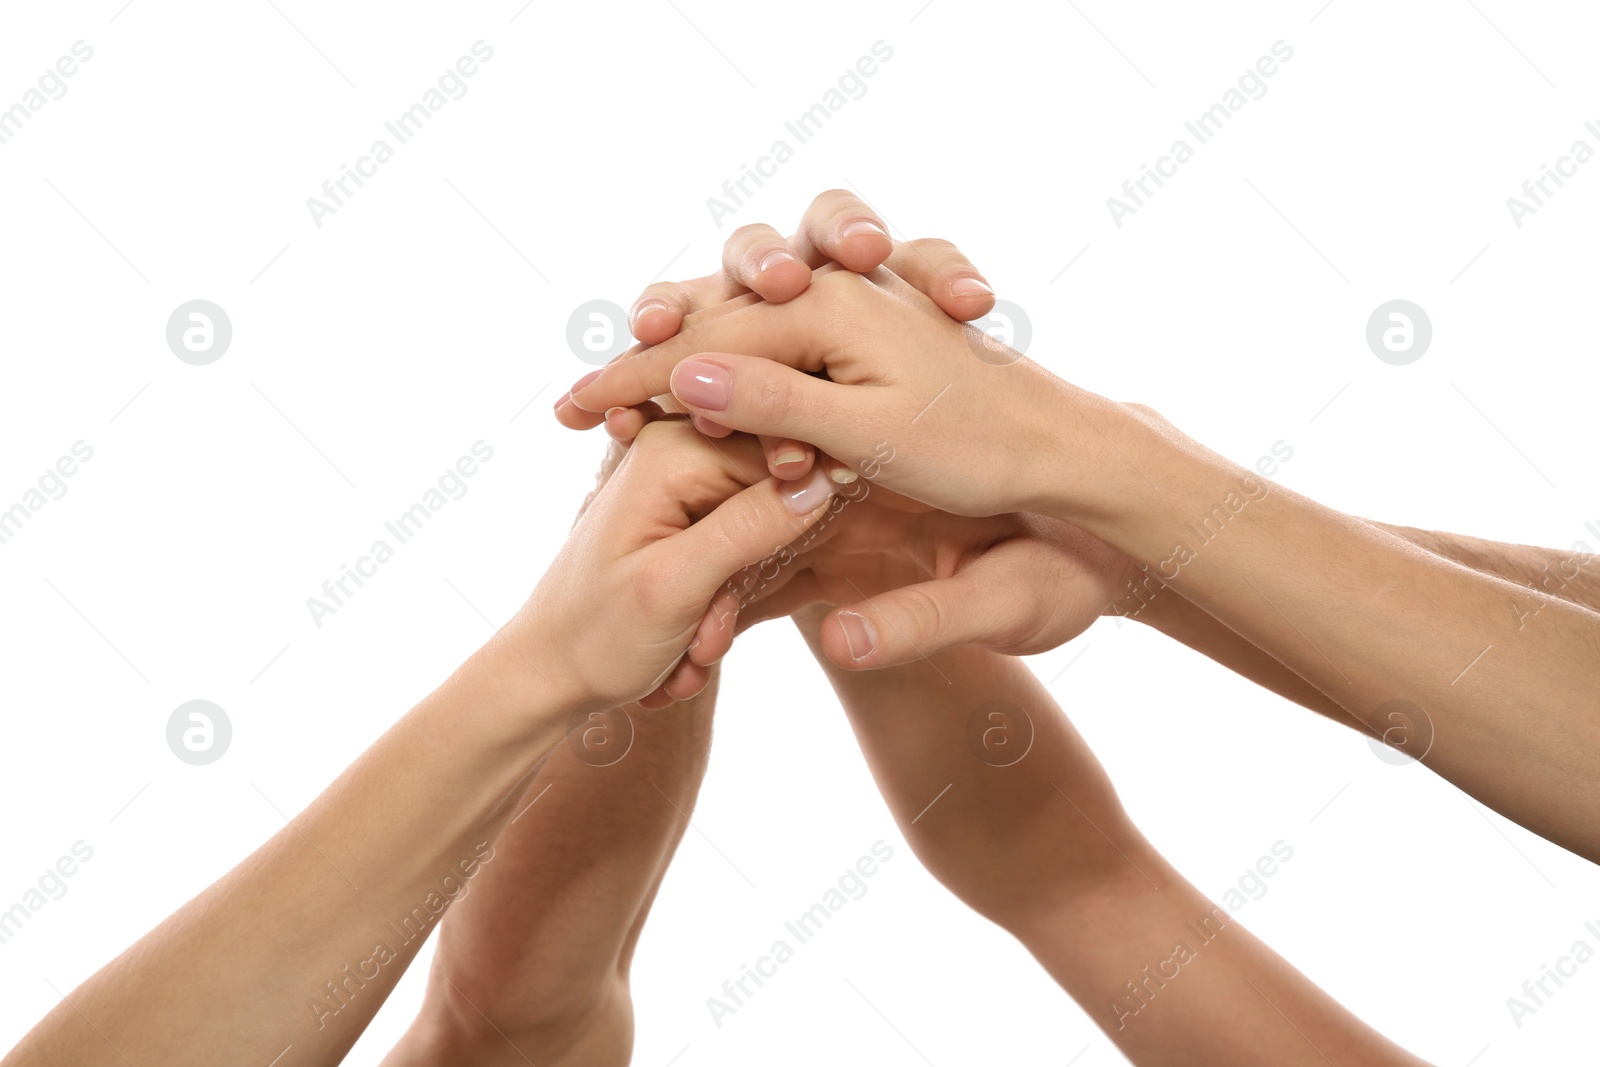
(926,611)
(656,442)
(1147,413)
(937,248)
(773,399)
(749,233)
(830,198)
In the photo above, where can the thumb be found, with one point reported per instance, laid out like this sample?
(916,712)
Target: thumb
(918,621)
(761,396)
(765,527)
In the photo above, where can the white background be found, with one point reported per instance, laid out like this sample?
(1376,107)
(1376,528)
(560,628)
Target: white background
(430,312)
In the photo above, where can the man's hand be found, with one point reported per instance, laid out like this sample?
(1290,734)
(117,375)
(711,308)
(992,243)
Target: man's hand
(901,587)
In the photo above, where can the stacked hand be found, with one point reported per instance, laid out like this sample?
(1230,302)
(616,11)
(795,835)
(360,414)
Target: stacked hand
(911,571)
(816,431)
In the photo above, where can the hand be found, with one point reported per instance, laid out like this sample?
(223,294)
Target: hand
(838,227)
(907,401)
(622,600)
(907,587)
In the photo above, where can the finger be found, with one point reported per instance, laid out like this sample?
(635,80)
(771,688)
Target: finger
(708,427)
(624,424)
(839,226)
(656,700)
(749,527)
(744,600)
(797,595)
(568,414)
(917,621)
(695,473)
(758,258)
(788,459)
(942,274)
(686,680)
(760,396)
(659,311)
(839,472)
(778,332)
(714,636)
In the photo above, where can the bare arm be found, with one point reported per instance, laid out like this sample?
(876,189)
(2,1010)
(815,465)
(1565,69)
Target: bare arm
(590,840)
(1042,847)
(300,943)
(1566,575)
(1504,675)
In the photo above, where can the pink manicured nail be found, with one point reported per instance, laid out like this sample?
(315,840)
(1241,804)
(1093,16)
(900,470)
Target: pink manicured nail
(859,637)
(702,385)
(970,287)
(805,497)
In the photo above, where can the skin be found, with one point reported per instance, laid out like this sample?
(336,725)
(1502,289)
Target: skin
(512,984)
(1044,849)
(1042,846)
(414,820)
(1503,674)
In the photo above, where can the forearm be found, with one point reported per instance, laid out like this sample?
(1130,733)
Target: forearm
(1175,981)
(1041,845)
(942,738)
(1505,674)
(1571,575)
(590,840)
(302,941)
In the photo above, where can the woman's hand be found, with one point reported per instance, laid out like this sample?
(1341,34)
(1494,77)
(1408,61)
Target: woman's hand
(838,228)
(972,427)
(622,600)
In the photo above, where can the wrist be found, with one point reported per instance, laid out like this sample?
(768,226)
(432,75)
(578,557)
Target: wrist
(517,679)
(1091,457)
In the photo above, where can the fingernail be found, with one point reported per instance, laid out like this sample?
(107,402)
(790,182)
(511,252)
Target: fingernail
(612,411)
(859,637)
(641,310)
(844,475)
(863,228)
(805,497)
(791,456)
(774,258)
(970,287)
(702,385)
